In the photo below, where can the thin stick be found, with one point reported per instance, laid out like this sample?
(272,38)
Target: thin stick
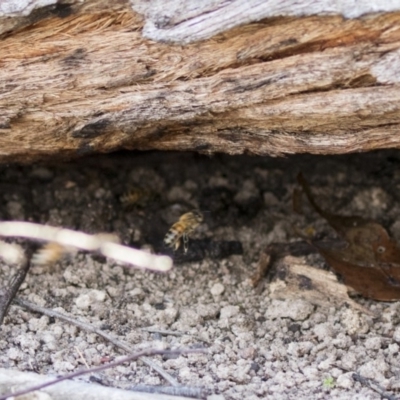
(135,356)
(187,391)
(162,331)
(15,282)
(173,333)
(103,243)
(90,328)
(374,386)
(81,357)
(368,382)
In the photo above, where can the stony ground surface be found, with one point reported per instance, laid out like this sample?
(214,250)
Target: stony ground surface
(258,347)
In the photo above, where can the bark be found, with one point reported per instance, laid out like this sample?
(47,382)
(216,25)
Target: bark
(86,80)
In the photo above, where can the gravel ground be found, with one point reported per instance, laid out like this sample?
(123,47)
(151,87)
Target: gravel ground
(259,347)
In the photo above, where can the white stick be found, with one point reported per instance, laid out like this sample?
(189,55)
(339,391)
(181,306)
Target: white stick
(104,243)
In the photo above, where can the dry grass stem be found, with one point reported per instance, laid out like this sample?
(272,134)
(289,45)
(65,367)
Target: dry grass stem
(103,243)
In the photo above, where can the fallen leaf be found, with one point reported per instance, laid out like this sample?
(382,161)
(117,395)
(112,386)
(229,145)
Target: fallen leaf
(367,259)
(297,280)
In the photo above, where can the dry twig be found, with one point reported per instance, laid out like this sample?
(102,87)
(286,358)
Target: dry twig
(135,356)
(90,328)
(162,331)
(374,386)
(187,391)
(14,254)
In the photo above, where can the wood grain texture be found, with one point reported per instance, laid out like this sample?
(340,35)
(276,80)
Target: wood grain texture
(90,82)
(185,21)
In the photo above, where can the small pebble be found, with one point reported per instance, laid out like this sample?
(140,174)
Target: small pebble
(217,289)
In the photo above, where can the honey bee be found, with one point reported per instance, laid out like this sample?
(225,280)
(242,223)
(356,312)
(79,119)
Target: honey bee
(136,197)
(49,254)
(186,224)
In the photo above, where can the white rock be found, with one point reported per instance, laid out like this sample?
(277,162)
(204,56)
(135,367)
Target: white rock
(342,341)
(207,310)
(188,318)
(311,372)
(373,343)
(326,364)
(299,349)
(229,312)
(323,331)
(374,369)
(57,330)
(393,348)
(97,295)
(169,315)
(297,310)
(184,373)
(50,341)
(396,334)
(38,324)
(353,322)
(84,301)
(217,289)
(15,354)
(248,353)
(345,381)
(27,342)
(136,292)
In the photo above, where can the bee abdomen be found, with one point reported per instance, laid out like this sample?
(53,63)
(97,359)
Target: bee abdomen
(171,237)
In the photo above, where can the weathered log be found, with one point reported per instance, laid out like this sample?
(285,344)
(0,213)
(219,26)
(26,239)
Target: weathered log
(86,80)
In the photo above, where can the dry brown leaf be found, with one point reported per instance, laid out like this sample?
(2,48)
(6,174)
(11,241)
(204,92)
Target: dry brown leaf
(368,260)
